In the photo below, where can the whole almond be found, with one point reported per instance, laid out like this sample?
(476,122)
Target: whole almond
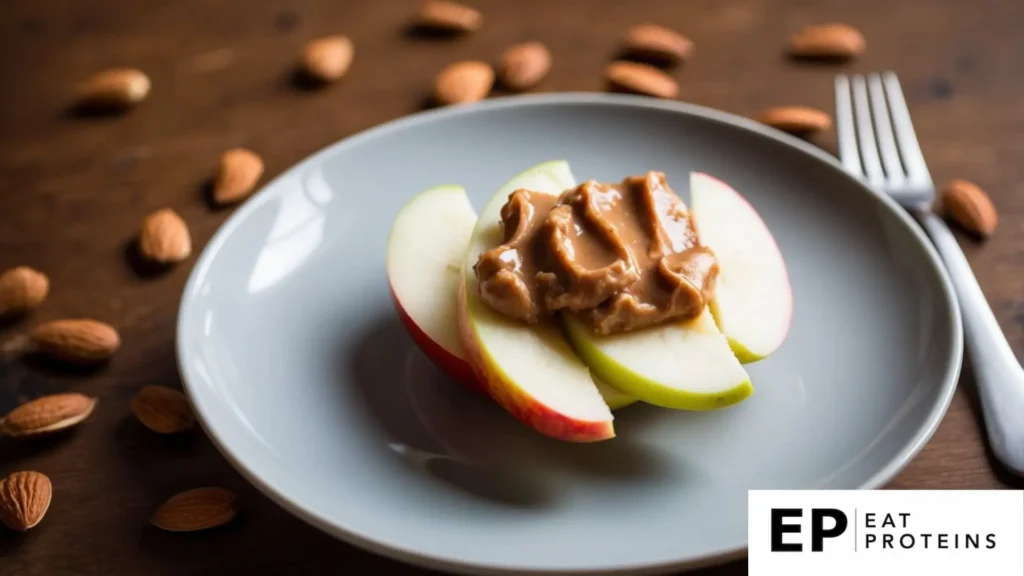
(640,79)
(328,59)
(653,42)
(164,237)
(796,119)
(833,41)
(448,16)
(76,340)
(22,289)
(163,410)
(969,206)
(524,65)
(47,414)
(114,88)
(196,509)
(462,82)
(24,499)
(237,175)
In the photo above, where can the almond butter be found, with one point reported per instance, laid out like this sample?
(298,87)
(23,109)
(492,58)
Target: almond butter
(163,410)
(76,340)
(21,290)
(24,499)
(657,43)
(833,41)
(524,65)
(640,79)
(463,82)
(114,88)
(197,509)
(796,119)
(237,175)
(969,206)
(328,59)
(47,414)
(448,16)
(164,237)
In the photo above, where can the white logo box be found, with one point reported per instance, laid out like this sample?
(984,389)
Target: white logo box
(897,532)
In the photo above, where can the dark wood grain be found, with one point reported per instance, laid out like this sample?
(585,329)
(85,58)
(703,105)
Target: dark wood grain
(73,190)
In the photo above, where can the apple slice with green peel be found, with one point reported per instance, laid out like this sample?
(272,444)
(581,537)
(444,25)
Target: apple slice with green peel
(426,249)
(682,365)
(753,303)
(529,369)
(612,397)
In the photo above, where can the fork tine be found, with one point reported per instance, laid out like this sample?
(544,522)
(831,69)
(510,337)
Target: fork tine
(883,129)
(866,133)
(906,139)
(847,136)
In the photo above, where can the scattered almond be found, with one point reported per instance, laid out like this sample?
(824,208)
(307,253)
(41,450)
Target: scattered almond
(657,43)
(524,65)
(462,82)
(796,119)
(328,59)
(237,175)
(76,340)
(197,509)
(47,414)
(22,289)
(163,410)
(164,237)
(834,40)
(448,16)
(114,88)
(640,79)
(24,499)
(968,205)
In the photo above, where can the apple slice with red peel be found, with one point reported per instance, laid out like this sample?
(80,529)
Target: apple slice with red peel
(426,248)
(753,304)
(530,370)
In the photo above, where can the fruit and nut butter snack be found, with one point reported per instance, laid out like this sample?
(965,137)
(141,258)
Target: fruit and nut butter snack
(620,256)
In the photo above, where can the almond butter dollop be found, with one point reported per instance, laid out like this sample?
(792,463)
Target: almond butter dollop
(621,256)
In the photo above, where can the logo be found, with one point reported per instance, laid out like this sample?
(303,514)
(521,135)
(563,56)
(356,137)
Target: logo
(886,532)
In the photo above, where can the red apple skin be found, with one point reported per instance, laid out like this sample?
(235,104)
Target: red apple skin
(455,367)
(527,410)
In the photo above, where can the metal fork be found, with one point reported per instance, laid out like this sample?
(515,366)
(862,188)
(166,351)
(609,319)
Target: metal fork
(877,143)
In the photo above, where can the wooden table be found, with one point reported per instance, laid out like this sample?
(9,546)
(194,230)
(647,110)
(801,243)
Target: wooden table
(73,190)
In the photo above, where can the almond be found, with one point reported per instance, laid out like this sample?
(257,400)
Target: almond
(968,205)
(77,340)
(796,119)
(164,237)
(462,82)
(163,410)
(833,40)
(114,88)
(22,289)
(328,59)
(653,42)
(448,16)
(640,79)
(24,499)
(196,509)
(524,65)
(237,175)
(47,414)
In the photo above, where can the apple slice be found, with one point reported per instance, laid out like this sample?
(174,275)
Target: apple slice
(426,248)
(530,370)
(753,304)
(683,365)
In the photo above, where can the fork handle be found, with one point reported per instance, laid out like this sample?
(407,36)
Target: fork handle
(997,372)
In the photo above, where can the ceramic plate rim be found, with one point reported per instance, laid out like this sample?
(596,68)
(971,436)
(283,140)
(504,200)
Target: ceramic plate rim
(438,562)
